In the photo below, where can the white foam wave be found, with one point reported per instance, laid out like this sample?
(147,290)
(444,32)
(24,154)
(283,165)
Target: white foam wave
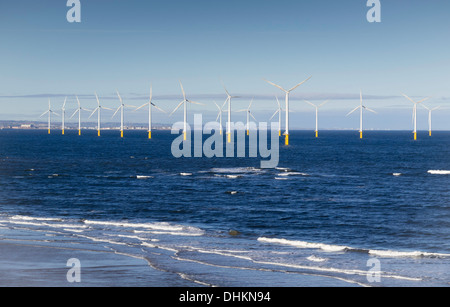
(397,174)
(316,259)
(30,218)
(143,177)
(293,174)
(400,254)
(281,178)
(439,172)
(185,174)
(303,244)
(158,228)
(236,170)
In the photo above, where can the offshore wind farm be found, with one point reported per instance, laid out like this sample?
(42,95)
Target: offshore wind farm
(234,144)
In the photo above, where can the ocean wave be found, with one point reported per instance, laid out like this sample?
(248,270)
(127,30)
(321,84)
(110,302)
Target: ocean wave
(439,172)
(303,244)
(342,248)
(160,227)
(292,174)
(185,174)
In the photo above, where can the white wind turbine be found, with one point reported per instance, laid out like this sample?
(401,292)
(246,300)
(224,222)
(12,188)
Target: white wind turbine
(150,104)
(317,114)
(229,97)
(430,110)
(49,112)
(121,108)
(79,114)
(249,113)
(98,110)
(63,116)
(414,116)
(184,103)
(278,111)
(361,107)
(287,105)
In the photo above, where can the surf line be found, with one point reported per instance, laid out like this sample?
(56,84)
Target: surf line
(258,141)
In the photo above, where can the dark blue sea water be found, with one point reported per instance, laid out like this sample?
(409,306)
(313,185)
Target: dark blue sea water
(331,206)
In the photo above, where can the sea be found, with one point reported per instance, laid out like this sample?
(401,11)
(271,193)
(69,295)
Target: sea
(344,211)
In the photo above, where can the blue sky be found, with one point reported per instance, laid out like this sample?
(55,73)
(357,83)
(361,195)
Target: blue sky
(127,45)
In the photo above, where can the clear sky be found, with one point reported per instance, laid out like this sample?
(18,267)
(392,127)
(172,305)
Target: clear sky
(128,44)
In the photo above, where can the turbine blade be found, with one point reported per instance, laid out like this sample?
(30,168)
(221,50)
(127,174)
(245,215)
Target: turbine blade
(353,110)
(252,116)
(120,98)
(182,89)
(276,86)
(279,105)
(158,108)
(323,103)
(370,110)
(299,84)
(93,112)
(145,104)
(194,102)
(408,98)
(64,104)
(98,101)
(310,103)
(423,100)
(44,113)
(74,113)
(250,103)
(177,107)
(116,111)
(276,112)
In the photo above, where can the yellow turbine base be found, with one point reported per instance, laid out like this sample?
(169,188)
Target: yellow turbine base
(98,132)
(286,140)
(63,132)
(184,136)
(248,132)
(279,132)
(121,133)
(220,132)
(48,131)
(149,134)
(430,132)
(317,134)
(360,135)
(79,132)
(415,136)
(229,137)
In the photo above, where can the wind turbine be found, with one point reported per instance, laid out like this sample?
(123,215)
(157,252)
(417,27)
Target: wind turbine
(219,116)
(317,114)
(49,112)
(121,108)
(429,115)
(361,107)
(249,113)
(287,105)
(278,111)
(63,115)
(79,114)
(150,104)
(415,113)
(98,110)
(184,103)
(229,97)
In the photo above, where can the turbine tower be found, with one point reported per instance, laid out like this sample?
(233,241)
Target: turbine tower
(278,111)
(429,116)
(415,113)
(361,107)
(63,116)
(184,103)
(150,104)
(317,114)
(79,114)
(98,110)
(49,112)
(249,113)
(287,105)
(229,97)
(121,108)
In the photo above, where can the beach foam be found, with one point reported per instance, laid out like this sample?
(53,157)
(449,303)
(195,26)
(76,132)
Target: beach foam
(439,172)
